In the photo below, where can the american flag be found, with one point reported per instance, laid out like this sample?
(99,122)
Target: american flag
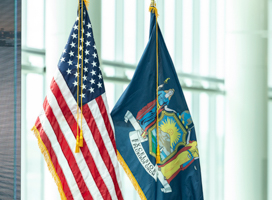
(93,172)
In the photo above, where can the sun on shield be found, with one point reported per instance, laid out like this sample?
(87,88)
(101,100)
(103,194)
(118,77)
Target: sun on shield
(172,134)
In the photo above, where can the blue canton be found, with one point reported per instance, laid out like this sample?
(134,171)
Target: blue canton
(93,85)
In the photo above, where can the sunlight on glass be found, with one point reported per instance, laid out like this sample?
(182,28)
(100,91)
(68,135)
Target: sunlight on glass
(169,26)
(130,31)
(125,87)
(203,140)
(204,37)
(35,24)
(188,99)
(220,40)
(109,87)
(187,37)
(129,73)
(109,71)
(147,21)
(36,61)
(33,162)
(204,114)
(108,30)
(220,115)
(129,193)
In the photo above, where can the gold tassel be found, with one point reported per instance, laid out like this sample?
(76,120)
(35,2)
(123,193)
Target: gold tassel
(158,158)
(154,10)
(81,139)
(77,145)
(87,3)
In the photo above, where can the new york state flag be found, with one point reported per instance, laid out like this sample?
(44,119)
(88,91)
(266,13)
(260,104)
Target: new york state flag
(148,105)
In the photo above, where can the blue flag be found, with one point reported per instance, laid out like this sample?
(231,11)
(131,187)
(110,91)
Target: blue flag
(149,102)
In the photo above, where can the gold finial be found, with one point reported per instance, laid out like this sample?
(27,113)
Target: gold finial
(152,3)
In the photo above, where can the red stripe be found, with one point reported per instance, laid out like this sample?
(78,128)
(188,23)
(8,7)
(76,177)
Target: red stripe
(54,160)
(101,146)
(85,151)
(66,151)
(104,113)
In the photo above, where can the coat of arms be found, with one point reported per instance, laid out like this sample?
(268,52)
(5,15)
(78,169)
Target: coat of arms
(177,151)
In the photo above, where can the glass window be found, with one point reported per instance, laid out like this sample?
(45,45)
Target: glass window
(194,35)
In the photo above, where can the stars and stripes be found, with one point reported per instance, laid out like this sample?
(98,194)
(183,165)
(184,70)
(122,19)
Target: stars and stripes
(93,172)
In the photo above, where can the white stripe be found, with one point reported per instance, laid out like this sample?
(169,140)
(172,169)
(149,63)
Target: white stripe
(68,134)
(104,134)
(104,97)
(61,158)
(88,137)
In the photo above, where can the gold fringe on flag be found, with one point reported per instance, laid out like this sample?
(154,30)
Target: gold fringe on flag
(87,3)
(131,177)
(49,162)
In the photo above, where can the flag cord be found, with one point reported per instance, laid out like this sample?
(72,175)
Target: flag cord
(81,21)
(79,137)
(153,9)
(77,114)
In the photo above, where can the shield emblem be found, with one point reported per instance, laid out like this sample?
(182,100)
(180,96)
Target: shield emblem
(172,135)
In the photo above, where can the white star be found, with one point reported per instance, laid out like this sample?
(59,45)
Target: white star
(88,34)
(81,39)
(72,45)
(62,59)
(76,74)
(85,69)
(80,48)
(94,55)
(74,36)
(86,60)
(84,78)
(77,65)
(68,71)
(94,64)
(82,30)
(75,27)
(83,86)
(93,72)
(89,25)
(84,12)
(77,18)
(64,51)
(87,52)
(92,81)
(91,90)
(84,20)
(83,95)
(94,46)
(70,62)
(79,56)
(100,76)
(75,83)
(87,43)
(99,85)
(71,53)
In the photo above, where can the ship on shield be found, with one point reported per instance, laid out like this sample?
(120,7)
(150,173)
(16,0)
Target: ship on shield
(177,151)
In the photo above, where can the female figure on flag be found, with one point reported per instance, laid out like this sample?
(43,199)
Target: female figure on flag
(147,115)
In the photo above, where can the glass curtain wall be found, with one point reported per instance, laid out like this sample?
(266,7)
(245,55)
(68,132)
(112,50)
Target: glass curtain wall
(33,76)
(194,35)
